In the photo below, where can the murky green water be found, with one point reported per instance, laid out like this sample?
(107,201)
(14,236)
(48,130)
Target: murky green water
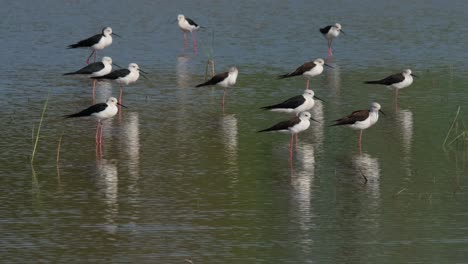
(179,180)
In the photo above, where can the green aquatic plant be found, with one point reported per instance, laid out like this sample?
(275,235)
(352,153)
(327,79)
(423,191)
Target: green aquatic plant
(38,132)
(457,132)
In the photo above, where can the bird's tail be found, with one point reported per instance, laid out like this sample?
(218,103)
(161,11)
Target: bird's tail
(268,107)
(73,115)
(73,46)
(69,73)
(373,82)
(287,75)
(202,84)
(264,130)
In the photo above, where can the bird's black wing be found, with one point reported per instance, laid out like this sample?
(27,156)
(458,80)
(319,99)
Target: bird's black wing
(89,111)
(300,70)
(191,22)
(215,80)
(290,103)
(354,117)
(284,125)
(85,43)
(325,30)
(91,68)
(114,75)
(395,78)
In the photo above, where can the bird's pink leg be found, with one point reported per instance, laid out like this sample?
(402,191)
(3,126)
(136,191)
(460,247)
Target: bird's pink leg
(290,147)
(224,96)
(120,94)
(194,39)
(97,132)
(396,99)
(185,40)
(330,53)
(307,84)
(100,136)
(360,141)
(87,60)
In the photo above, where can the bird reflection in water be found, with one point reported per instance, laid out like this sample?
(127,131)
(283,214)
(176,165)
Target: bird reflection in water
(302,183)
(130,137)
(103,91)
(229,133)
(184,79)
(107,183)
(404,120)
(368,168)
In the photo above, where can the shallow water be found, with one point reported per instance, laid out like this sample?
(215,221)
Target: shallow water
(179,180)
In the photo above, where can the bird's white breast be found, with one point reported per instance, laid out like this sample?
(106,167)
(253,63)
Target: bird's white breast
(104,42)
(130,78)
(106,70)
(110,111)
(303,125)
(318,69)
(405,83)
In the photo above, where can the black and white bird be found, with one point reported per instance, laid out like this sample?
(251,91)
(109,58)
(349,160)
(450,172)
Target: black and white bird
(361,119)
(96,42)
(330,32)
(100,112)
(293,126)
(396,81)
(225,80)
(123,76)
(95,69)
(308,70)
(188,25)
(296,104)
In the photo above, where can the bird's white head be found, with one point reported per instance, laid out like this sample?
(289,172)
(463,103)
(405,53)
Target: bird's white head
(107,31)
(133,67)
(407,72)
(319,62)
(338,26)
(308,92)
(305,115)
(233,70)
(106,60)
(375,107)
(112,101)
(180,17)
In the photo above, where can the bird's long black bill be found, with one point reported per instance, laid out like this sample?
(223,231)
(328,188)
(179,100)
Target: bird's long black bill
(315,97)
(116,35)
(142,71)
(382,112)
(315,120)
(115,64)
(414,75)
(328,65)
(122,105)
(342,32)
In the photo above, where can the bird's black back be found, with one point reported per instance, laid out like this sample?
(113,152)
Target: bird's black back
(325,30)
(284,125)
(89,111)
(395,78)
(354,117)
(86,43)
(191,22)
(89,69)
(290,103)
(215,80)
(114,75)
